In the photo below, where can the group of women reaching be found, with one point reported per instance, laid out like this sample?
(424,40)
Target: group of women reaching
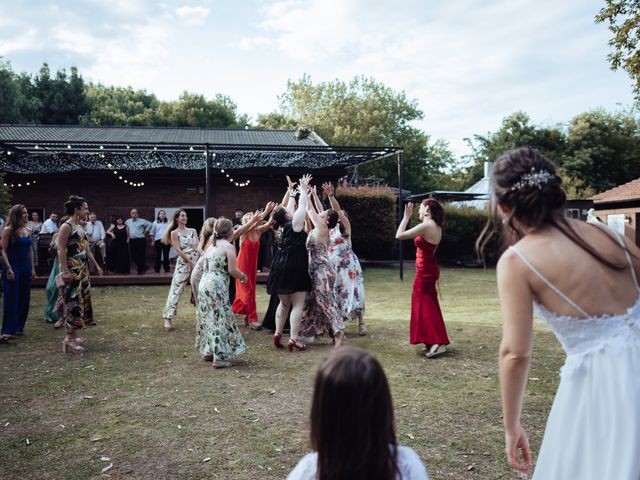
(314,274)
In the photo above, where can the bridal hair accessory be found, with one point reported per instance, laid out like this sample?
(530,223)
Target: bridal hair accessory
(216,235)
(532,179)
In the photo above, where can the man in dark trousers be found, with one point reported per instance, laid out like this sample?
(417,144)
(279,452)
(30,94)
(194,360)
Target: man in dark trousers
(138,229)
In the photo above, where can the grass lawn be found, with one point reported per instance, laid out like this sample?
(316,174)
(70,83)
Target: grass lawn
(144,402)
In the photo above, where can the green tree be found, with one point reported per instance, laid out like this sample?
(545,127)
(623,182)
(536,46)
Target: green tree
(120,106)
(63,100)
(515,131)
(5,197)
(194,110)
(275,121)
(603,150)
(364,112)
(623,18)
(10,95)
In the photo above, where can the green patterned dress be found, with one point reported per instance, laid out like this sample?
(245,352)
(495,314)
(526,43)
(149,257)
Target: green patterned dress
(217,331)
(76,294)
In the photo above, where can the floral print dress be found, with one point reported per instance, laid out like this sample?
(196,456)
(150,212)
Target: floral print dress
(217,331)
(76,294)
(349,286)
(321,310)
(188,245)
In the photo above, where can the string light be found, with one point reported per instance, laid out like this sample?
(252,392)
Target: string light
(128,182)
(19,185)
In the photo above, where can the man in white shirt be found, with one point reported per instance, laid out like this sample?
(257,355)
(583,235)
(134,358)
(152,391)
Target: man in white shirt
(96,235)
(138,229)
(50,225)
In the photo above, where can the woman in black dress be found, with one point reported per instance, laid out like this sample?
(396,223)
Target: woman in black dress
(289,275)
(119,252)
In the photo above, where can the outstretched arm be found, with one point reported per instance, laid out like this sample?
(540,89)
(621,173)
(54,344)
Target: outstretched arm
(297,222)
(328,189)
(402,233)
(316,200)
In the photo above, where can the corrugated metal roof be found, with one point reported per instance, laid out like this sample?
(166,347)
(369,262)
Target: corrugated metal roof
(151,135)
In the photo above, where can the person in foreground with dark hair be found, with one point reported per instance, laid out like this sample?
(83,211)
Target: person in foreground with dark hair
(581,279)
(427,324)
(352,426)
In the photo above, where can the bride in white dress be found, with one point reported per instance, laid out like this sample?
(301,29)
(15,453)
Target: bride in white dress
(581,279)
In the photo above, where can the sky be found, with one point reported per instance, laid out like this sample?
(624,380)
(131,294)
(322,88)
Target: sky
(468,63)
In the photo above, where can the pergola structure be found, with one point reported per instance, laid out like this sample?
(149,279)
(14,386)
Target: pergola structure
(42,149)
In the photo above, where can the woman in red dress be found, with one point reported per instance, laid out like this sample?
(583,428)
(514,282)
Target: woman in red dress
(427,324)
(247,261)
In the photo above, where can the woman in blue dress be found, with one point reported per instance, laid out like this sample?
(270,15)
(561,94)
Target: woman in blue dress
(17,257)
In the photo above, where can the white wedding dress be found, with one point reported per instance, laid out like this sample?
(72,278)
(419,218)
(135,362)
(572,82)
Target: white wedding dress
(593,430)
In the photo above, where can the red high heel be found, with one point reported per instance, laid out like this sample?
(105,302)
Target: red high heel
(296,344)
(276,340)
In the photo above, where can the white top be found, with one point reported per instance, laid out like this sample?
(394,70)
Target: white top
(158,229)
(49,227)
(409,464)
(95,231)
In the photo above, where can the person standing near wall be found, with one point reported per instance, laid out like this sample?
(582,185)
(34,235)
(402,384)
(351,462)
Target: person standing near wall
(138,229)
(162,251)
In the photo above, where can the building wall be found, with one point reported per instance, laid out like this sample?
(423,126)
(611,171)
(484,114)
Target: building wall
(632,213)
(107,195)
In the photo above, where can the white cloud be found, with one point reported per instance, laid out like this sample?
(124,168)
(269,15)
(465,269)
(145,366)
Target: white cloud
(27,40)
(192,15)
(254,43)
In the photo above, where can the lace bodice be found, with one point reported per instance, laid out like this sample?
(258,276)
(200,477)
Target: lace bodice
(588,333)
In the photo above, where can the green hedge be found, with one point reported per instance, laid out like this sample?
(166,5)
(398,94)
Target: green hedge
(372,213)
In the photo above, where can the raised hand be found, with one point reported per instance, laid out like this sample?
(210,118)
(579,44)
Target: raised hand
(290,184)
(304,181)
(408,210)
(327,187)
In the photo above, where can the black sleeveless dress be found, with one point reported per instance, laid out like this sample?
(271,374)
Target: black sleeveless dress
(289,270)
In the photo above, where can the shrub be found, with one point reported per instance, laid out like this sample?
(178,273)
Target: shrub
(372,212)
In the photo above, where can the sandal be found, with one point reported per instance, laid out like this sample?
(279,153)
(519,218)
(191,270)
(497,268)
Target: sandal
(362,329)
(255,326)
(220,364)
(276,340)
(59,323)
(297,345)
(436,350)
(167,325)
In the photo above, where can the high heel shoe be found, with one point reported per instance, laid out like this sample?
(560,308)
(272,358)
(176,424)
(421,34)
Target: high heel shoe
(72,346)
(436,350)
(362,329)
(296,344)
(276,340)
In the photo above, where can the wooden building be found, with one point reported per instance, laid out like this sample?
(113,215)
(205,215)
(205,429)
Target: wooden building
(620,209)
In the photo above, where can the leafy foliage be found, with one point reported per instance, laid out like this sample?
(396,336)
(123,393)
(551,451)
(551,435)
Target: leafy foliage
(623,18)
(364,112)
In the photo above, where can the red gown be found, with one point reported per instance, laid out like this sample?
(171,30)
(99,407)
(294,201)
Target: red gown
(427,324)
(247,262)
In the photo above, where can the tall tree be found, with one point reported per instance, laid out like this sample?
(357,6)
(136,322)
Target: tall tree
(10,95)
(515,131)
(63,100)
(623,18)
(603,149)
(364,112)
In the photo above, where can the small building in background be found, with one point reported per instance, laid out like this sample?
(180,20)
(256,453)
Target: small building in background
(619,208)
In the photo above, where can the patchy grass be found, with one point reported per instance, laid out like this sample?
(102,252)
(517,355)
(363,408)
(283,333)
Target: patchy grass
(146,401)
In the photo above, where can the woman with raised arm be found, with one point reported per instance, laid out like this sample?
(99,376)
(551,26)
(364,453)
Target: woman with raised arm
(427,324)
(321,313)
(185,242)
(289,275)
(581,279)
(245,299)
(74,256)
(217,334)
(349,278)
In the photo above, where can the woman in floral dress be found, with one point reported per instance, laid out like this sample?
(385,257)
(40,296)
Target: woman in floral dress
(321,312)
(74,256)
(217,334)
(185,242)
(349,284)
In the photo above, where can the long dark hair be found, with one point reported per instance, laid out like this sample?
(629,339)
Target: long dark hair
(279,215)
(73,203)
(13,221)
(166,237)
(525,182)
(436,211)
(352,426)
(165,217)
(332,218)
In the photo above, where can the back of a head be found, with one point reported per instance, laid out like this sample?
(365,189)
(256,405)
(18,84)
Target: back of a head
(352,426)
(279,215)
(223,228)
(525,182)
(332,218)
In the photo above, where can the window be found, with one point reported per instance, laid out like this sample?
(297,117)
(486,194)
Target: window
(572,213)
